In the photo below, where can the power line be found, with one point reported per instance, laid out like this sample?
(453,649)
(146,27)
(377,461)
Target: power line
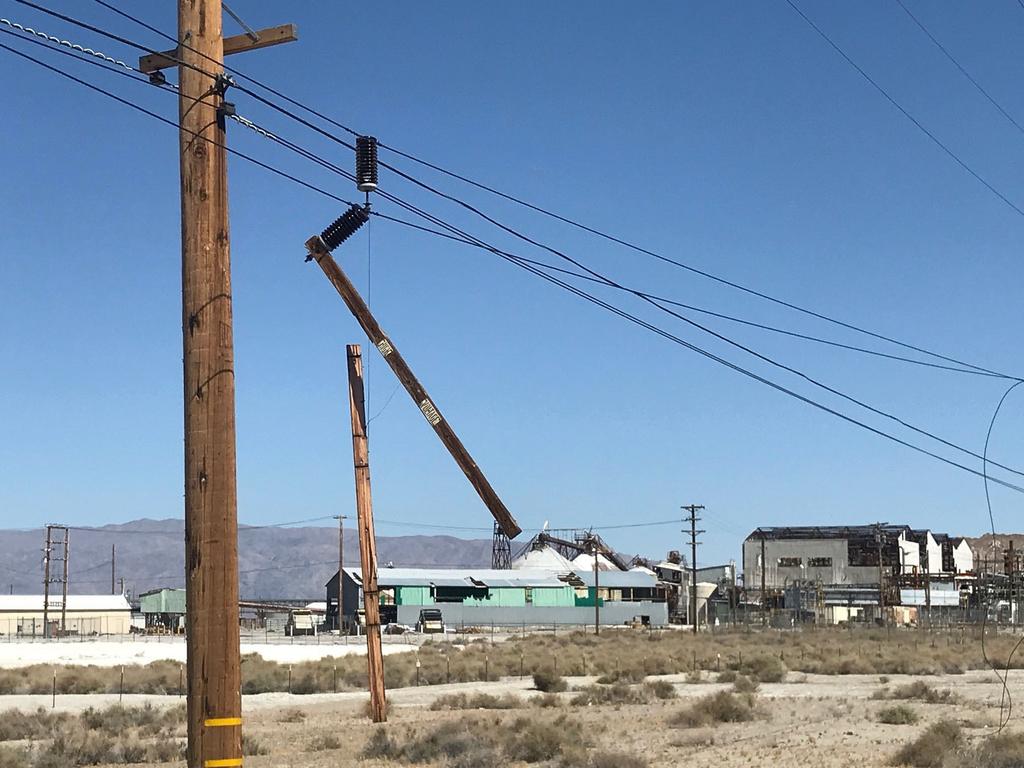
(173,123)
(111,36)
(646,297)
(935,139)
(709,312)
(538,209)
(567,286)
(959,66)
(677,340)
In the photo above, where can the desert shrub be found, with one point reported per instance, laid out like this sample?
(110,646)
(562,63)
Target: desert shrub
(627,675)
(619,693)
(380,746)
(323,742)
(743,684)
(765,669)
(13,758)
(694,676)
(898,714)
(548,682)
(534,741)
(546,700)
(923,691)
(368,709)
(1003,751)
(580,758)
(931,748)
(721,707)
(252,746)
(727,676)
(16,725)
(476,701)
(660,689)
(292,716)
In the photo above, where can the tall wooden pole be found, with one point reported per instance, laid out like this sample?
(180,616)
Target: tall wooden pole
(597,588)
(64,583)
(113,569)
(46,580)
(367,542)
(211,514)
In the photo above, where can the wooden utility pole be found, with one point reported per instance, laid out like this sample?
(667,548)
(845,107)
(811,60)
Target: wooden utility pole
(113,569)
(357,306)
(341,566)
(211,512)
(64,583)
(367,541)
(692,509)
(211,505)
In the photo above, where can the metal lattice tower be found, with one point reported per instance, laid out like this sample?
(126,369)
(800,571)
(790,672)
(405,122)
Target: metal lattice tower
(501,550)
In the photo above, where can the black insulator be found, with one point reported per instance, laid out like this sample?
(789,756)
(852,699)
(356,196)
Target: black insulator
(344,227)
(366,163)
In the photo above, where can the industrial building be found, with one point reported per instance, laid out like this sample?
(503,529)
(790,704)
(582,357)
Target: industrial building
(514,597)
(163,610)
(849,572)
(23,615)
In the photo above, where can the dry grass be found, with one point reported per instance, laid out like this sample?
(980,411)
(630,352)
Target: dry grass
(721,707)
(919,690)
(111,736)
(477,701)
(547,681)
(936,747)
(616,656)
(473,742)
(898,714)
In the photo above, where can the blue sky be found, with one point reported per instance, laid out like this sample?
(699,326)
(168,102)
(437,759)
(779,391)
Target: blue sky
(726,135)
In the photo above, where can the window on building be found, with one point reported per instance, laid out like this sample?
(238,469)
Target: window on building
(790,562)
(529,595)
(820,562)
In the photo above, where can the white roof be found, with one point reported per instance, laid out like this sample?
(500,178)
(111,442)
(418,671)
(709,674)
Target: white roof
(34,603)
(585,562)
(545,558)
(462,577)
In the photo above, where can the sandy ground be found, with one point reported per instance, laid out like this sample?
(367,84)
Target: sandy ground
(114,653)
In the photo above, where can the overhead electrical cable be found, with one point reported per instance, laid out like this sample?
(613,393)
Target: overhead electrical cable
(592,299)
(646,297)
(709,312)
(493,190)
(935,139)
(705,353)
(960,66)
(541,210)
(174,124)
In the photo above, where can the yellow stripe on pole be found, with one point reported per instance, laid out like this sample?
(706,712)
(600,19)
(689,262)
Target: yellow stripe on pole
(222,722)
(225,763)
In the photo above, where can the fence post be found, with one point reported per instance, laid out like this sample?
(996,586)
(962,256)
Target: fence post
(53,704)
(521,662)
(335,678)
(120,693)
(584,666)
(417,670)
(447,668)
(181,675)
(487,668)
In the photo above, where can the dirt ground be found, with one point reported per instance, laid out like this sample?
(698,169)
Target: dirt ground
(808,720)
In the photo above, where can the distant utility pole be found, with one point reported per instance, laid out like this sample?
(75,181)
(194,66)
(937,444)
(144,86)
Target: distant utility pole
(341,566)
(693,509)
(211,504)
(597,586)
(881,580)
(55,545)
(367,540)
(113,569)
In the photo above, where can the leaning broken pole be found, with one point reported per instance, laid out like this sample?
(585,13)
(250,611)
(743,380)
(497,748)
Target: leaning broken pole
(320,247)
